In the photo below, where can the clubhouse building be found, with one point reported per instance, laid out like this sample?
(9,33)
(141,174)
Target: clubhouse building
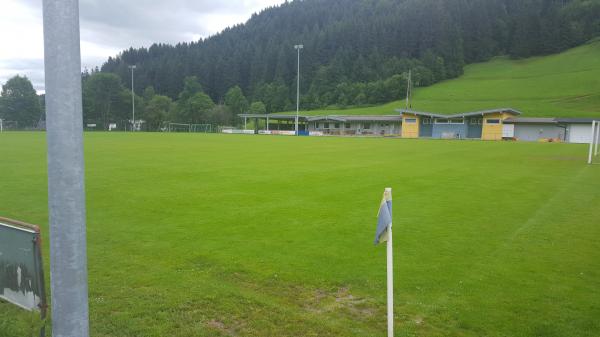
(494,124)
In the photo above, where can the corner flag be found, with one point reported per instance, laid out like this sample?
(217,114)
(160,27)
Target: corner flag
(384,234)
(384,217)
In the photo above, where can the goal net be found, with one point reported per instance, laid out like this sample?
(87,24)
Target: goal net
(593,150)
(201,128)
(8,125)
(178,127)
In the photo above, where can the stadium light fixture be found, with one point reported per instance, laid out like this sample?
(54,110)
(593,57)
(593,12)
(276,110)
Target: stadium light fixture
(132,100)
(298,47)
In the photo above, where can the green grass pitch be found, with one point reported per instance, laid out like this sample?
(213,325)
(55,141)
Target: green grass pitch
(233,235)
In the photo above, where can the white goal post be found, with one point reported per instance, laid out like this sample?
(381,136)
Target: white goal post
(201,128)
(595,139)
(8,125)
(179,127)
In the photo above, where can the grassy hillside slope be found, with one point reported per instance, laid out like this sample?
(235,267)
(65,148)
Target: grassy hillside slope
(566,85)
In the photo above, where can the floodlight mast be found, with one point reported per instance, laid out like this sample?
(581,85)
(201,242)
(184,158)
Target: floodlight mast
(298,47)
(132,100)
(66,191)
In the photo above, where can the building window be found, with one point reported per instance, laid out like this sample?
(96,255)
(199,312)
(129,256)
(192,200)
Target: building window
(316,125)
(347,125)
(336,125)
(475,121)
(325,125)
(492,121)
(410,120)
(426,121)
(449,121)
(366,126)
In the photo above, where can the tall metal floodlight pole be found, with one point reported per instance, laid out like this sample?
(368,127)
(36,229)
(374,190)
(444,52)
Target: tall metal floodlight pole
(408,90)
(66,193)
(298,47)
(132,100)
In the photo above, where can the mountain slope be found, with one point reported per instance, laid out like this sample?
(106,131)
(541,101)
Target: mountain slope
(565,84)
(356,51)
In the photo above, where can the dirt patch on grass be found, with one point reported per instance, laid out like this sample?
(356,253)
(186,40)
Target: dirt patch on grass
(341,300)
(221,327)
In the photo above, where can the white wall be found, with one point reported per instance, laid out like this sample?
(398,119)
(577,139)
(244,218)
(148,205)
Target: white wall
(533,132)
(580,133)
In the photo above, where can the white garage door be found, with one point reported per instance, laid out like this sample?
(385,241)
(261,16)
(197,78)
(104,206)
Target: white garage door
(508,130)
(580,133)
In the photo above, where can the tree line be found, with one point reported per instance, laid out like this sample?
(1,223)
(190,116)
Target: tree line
(354,50)
(106,100)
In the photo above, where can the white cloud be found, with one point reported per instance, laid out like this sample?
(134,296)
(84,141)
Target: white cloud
(108,27)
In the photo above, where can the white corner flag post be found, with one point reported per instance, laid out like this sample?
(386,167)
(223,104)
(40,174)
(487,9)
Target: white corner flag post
(594,127)
(597,138)
(384,233)
(390,271)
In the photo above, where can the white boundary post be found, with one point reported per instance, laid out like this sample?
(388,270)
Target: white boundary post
(390,276)
(597,137)
(592,142)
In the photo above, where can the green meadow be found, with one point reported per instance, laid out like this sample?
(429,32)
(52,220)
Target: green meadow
(560,85)
(238,235)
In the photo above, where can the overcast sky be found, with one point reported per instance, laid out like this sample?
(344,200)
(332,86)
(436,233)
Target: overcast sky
(109,26)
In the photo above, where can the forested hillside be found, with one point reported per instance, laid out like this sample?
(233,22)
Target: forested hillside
(357,52)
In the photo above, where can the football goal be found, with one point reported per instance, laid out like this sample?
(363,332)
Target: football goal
(593,150)
(8,125)
(206,128)
(179,127)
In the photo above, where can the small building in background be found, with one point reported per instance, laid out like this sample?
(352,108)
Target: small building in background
(382,125)
(571,130)
(579,130)
(485,124)
(493,124)
(537,129)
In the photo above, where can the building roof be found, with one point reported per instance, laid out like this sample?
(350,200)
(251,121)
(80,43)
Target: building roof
(576,120)
(398,118)
(530,120)
(337,118)
(273,116)
(351,118)
(550,120)
(458,115)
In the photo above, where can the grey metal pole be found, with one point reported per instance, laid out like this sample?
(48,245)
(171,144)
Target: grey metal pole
(298,93)
(298,47)
(132,101)
(66,194)
(408,85)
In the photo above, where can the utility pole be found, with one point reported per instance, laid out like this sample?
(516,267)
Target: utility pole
(66,191)
(298,47)
(132,100)
(408,91)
